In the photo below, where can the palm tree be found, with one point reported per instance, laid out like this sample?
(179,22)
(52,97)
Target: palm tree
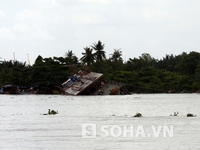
(116,57)
(88,57)
(69,54)
(71,58)
(100,54)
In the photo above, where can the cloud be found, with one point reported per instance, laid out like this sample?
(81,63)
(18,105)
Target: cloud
(6,33)
(158,15)
(117,23)
(95,1)
(2,14)
(21,27)
(28,14)
(47,4)
(89,19)
(43,35)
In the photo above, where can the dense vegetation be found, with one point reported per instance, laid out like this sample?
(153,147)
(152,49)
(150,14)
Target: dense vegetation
(142,75)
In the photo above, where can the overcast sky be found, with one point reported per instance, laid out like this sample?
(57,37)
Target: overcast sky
(52,27)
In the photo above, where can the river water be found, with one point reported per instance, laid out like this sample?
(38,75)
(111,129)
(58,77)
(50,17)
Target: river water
(100,122)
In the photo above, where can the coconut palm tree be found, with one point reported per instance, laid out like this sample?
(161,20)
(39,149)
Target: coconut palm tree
(69,54)
(71,58)
(88,57)
(116,58)
(116,55)
(100,54)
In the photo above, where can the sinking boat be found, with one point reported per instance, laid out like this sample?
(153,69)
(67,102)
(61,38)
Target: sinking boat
(85,82)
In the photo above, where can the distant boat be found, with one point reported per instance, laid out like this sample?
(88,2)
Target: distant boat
(9,89)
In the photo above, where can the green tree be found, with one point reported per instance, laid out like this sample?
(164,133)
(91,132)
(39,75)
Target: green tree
(197,77)
(5,69)
(48,73)
(189,63)
(116,58)
(100,54)
(18,74)
(71,59)
(14,73)
(88,56)
(117,55)
(38,60)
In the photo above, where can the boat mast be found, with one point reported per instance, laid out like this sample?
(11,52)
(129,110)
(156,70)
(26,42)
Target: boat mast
(28,59)
(14,60)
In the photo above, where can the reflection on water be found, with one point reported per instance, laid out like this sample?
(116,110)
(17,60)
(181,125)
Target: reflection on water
(23,127)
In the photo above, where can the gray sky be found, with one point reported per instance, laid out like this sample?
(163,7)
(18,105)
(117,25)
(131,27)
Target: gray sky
(52,27)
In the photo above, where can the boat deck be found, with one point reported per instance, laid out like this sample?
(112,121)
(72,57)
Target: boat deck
(80,82)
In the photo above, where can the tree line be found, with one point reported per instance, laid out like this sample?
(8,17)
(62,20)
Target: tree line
(145,74)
